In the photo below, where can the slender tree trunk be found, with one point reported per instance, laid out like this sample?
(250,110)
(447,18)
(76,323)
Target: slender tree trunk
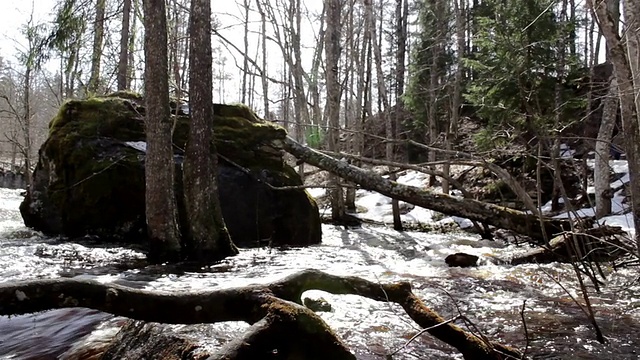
(207,234)
(132,44)
(632,37)
(434,82)
(559,103)
(27,122)
(161,209)
(393,124)
(98,38)
(263,78)
(456,103)
(245,62)
(123,61)
(601,176)
(332,53)
(609,104)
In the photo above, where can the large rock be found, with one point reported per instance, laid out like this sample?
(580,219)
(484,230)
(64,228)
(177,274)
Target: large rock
(89,179)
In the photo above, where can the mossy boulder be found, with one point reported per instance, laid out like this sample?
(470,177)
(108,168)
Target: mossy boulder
(89,179)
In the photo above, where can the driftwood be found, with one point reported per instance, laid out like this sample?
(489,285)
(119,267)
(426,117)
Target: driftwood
(538,228)
(278,319)
(597,244)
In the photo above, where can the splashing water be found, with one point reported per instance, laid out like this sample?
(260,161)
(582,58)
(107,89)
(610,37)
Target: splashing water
(490,295)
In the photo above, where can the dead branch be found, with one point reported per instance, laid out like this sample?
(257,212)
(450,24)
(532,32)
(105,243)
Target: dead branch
(275,311)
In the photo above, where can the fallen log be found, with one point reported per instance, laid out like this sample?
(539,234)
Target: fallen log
(279,321)
(539,228)
(593,245)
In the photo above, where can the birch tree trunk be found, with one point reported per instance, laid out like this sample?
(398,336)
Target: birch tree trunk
(160,201)
(206,232)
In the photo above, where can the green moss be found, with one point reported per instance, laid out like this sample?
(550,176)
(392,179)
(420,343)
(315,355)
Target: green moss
(127,94)
(97,169)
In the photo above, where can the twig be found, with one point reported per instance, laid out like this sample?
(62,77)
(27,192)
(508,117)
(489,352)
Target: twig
(526,331)
(419,334)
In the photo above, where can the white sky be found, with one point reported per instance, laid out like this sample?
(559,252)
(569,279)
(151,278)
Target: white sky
(15,14)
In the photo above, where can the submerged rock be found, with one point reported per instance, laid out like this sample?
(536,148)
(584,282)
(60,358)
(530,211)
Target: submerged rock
(89,179)
(461,260)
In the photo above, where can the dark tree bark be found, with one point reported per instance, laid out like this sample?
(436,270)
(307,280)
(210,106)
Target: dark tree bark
(538,228)
(123,61)
(207,236)
(332,53)
(279,321)
(98,39)
(160,202)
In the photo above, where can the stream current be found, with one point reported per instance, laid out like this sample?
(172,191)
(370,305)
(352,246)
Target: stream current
(498,299)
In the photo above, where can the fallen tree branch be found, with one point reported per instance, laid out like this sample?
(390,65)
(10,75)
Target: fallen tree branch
(279,321)
(539,228)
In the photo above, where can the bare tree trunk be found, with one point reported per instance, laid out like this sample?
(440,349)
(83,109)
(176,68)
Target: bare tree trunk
(132,44)
(263,78)
(520,222)
(559,103)
(632,37)
(123,61)
(601,176)
(452,130)
(434,82)
(161,209)
(98,38)
(208,238)
(630,127)
(393,124)
(26,121)
(174,45)
(332,53)
(351,109)
(314,76)
(245,62)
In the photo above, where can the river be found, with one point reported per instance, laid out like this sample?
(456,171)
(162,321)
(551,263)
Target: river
(490,295)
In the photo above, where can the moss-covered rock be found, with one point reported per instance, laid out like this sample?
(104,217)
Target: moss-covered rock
(89,179)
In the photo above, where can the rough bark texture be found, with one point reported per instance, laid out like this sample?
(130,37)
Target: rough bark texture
(98,39)
(123,61)
(622,67)
(498,216)
(160,202)
(601,169)
(278,319)
(207,235)
(332,53)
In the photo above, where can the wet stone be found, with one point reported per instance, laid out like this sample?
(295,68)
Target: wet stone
(461,260)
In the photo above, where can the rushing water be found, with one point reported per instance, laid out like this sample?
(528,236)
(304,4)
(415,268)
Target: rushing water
(490,295)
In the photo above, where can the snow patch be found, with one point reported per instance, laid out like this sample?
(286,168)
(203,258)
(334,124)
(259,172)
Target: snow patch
(138,145)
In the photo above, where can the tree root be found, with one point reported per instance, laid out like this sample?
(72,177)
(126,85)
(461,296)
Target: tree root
(281,326)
